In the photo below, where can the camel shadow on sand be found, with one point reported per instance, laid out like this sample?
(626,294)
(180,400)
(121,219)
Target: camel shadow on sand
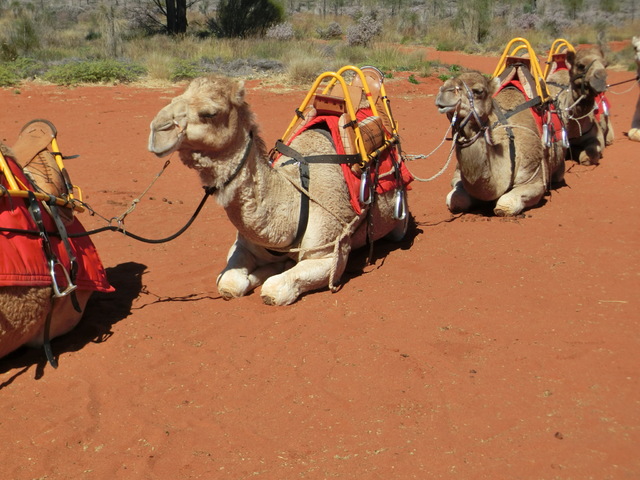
(102,312)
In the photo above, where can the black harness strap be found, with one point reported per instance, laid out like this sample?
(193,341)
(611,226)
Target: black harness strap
(303,166)
(504,119)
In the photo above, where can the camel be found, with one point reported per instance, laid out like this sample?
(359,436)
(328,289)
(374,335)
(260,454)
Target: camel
(634,132)
(35,306)
(500,154)
(578,92)
(215,132)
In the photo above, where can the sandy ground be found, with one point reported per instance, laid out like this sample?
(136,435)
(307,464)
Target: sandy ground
(478,348)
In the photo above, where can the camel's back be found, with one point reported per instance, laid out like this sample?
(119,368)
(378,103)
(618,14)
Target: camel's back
(509,99)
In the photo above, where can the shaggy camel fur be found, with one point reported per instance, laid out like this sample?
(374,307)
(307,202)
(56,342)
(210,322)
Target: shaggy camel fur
(215,133)
(576,93)
(514,175)
(634,133)
(23,311)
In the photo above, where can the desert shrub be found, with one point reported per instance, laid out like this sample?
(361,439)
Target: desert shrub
(363,32)
(185,70)
(245,18)
(11,73)
(282,32)
(94,71)
(333,30)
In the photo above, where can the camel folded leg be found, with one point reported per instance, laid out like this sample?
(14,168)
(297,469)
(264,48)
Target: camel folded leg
(518,198)
(245,271)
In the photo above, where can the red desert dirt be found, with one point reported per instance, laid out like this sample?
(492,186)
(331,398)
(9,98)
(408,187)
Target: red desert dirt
(478,348)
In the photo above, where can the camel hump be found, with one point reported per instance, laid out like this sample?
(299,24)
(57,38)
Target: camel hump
(36,152)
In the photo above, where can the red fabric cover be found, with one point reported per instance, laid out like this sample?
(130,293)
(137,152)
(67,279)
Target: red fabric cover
(602,102)
(386,159)
(22,258)
(537,114)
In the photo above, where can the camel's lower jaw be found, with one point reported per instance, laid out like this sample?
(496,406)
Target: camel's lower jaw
(446,109)
(163,148)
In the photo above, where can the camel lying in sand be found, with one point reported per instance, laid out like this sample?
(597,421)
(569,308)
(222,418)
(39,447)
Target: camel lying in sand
(579,94)
(500,160)
(215,133)
(634,133)
(30,313)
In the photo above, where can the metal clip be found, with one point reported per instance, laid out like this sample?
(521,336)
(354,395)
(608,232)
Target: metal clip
(54,283)
(546,141)
(605,108)
(364,187)
(565,138)
(400,210)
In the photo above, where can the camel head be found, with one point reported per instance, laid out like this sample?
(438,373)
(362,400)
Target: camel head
(206,117)
(588,70)
(467,95)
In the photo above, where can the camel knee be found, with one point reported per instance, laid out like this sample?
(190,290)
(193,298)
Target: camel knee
(458,200)
(233,283)
(634,134)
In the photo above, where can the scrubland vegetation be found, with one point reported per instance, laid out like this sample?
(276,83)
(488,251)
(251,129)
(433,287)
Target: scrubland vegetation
(67,42)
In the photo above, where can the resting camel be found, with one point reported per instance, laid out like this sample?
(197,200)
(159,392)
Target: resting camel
(500,160)
(215,133)
(634,133)
(579,94)
(30,313)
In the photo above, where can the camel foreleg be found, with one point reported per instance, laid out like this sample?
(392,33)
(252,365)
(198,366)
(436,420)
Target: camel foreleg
(518,198)
(245,271)
(306,275)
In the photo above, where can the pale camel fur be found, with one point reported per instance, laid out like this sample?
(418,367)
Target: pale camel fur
(634,132)
(485,171)
(574,93)
(24,310)
(211,126)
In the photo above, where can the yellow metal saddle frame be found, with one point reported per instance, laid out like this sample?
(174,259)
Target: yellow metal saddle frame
(519,59)
(557,54)
(331,94)
(17,188)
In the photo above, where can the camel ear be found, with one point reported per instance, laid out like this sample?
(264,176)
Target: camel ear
(238,95)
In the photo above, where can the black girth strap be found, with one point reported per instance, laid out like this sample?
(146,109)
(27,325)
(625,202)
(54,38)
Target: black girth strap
(303,165)
(504,119)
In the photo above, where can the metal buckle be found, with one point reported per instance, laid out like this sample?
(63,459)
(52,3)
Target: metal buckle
(54,283)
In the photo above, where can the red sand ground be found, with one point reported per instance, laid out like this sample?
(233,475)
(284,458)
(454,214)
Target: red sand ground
(480,348)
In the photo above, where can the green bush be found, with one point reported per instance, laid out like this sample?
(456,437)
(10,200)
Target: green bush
(96,71)
(12,72)
(245,18)
(185,70)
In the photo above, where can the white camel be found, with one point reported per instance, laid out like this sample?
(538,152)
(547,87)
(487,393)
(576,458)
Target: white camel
(634,132)
(501,156)
(215,133)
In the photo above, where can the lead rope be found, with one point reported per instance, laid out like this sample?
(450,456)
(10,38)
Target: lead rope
(448,162)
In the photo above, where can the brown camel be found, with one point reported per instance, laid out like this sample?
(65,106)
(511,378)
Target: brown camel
(501,156)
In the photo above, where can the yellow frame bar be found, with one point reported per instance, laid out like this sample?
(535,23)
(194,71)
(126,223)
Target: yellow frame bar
(536,71)
(18,190)
(557,47)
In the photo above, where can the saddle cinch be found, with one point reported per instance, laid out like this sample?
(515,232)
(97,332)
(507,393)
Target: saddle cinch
(330,94)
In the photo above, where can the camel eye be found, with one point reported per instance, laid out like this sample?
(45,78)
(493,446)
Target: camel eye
(207,114)
(478,91)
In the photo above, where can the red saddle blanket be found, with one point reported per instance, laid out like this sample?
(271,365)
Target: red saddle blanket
(387,160)
(22,258)
(549,117)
